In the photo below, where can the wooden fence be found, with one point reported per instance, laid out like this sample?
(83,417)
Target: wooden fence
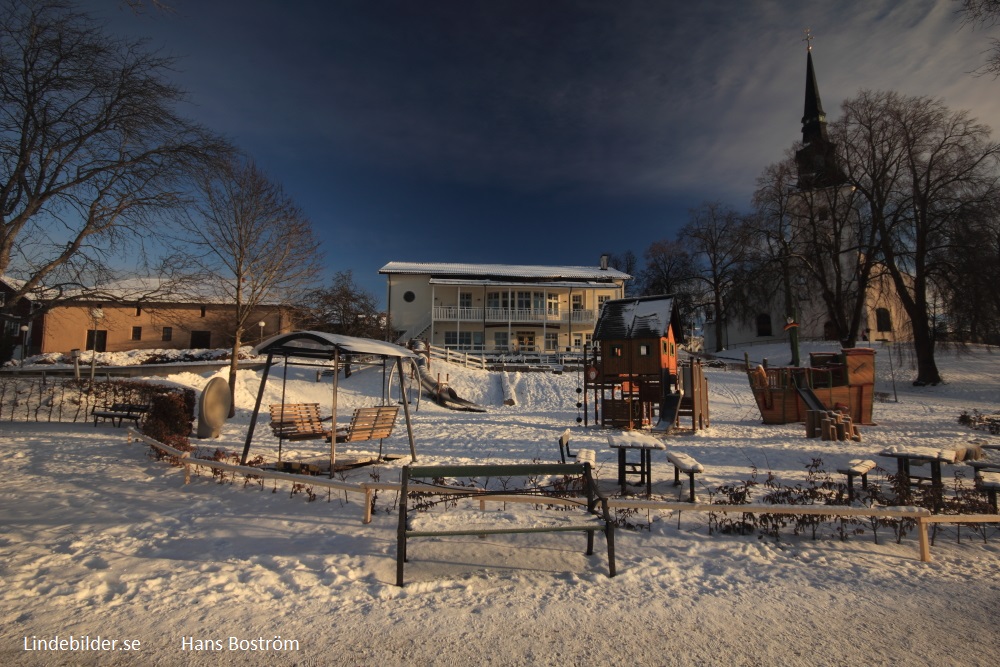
(920,515)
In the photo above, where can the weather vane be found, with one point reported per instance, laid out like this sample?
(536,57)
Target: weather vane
(808,40)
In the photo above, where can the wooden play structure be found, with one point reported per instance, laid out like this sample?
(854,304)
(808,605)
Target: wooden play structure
(632,379)
(842,382)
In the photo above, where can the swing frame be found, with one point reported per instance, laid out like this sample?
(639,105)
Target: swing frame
(302,347)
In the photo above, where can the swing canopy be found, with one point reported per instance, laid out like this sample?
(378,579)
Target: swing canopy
(327,346)
(321,346)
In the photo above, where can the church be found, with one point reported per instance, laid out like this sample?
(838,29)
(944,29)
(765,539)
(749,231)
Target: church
(820,209)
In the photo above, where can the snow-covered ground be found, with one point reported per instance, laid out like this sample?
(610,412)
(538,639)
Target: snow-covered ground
(98,539)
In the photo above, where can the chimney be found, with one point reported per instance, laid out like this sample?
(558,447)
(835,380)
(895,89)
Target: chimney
(604,261)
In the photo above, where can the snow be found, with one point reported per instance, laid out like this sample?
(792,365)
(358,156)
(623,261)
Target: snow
(98,539)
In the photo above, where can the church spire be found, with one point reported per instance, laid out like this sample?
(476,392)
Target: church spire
(813,117)
(816,161)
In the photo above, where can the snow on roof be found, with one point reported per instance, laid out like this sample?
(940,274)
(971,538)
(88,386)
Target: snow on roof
(507,271)
(633,318)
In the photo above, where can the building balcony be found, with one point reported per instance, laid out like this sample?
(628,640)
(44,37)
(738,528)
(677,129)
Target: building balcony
(518,315)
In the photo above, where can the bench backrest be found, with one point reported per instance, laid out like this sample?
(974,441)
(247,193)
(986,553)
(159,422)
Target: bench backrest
(494,470)
(372,423)
(284,413)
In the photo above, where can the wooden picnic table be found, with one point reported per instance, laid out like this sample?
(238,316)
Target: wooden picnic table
(624,441)
(908,456)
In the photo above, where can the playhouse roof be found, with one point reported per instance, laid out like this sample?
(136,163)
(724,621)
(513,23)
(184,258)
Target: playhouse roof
(636,317)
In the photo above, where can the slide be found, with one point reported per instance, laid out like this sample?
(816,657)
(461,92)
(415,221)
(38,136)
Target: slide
(442,394)
(669,405)
(810,399)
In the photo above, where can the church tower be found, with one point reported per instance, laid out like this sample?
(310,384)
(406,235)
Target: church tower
(816,161)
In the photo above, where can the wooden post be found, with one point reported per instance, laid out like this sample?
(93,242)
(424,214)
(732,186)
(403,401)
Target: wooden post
(925,545)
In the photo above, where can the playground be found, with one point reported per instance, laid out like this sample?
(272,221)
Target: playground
(100,538)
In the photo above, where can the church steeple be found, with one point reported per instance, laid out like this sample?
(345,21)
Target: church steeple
(813,117)
(816,162)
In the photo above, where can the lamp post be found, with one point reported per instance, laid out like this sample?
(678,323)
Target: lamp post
(75,353)
(24,340)
(261,325)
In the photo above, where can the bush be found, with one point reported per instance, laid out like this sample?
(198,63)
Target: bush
(169,419)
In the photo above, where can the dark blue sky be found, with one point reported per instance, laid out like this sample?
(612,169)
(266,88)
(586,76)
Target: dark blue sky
(536,131)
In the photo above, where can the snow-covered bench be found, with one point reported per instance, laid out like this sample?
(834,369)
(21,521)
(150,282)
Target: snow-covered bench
(856,468)
(684,463)
(120,411)
(548,501)
(582,455)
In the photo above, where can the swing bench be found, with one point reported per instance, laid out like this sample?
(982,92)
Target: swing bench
(301,421)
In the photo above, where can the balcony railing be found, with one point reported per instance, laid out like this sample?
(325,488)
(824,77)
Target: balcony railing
(521,315)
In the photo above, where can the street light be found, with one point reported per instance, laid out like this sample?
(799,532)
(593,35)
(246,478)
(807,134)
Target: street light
(75,353)
(24,340)
(261,325)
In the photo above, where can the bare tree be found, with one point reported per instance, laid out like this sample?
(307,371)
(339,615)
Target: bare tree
(817,244)
(252,243)
(92,148)
(984,14)
(719,239)
(343,307)
(923,171)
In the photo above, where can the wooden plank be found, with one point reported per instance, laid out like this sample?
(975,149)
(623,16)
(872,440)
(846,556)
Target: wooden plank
(495,470)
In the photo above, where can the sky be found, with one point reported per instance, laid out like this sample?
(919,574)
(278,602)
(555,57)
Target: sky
(535,132)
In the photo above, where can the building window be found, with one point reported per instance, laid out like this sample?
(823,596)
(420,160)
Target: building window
(465,300)
(97,340)
(458,340)
(203,311)
(551,341)
(138,311)
(763,325)
(526,341)
(136,333)
(168,333)
(501,340)
(883,320)
(552,304)
(408,296)
(498,300)
(643,350)
(201,340)
(577,301)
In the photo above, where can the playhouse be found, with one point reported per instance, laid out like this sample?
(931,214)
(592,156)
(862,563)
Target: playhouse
(632,378)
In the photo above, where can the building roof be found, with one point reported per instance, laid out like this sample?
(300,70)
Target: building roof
(505,271)
(635,318)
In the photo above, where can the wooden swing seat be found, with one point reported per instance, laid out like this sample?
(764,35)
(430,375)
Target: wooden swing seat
(301,421)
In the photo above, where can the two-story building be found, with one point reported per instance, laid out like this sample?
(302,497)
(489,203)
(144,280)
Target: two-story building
(499,308)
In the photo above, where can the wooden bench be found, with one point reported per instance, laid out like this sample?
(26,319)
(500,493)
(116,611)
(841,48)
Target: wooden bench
(581,455)
(856,468)
(685,463)
(547,484)
(121,411)
(301,421)
(987,480)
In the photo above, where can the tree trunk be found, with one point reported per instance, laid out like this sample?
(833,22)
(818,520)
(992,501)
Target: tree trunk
(233,364)
(923,347)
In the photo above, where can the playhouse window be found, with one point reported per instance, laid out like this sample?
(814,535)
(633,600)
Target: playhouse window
(643,350)
(616,350)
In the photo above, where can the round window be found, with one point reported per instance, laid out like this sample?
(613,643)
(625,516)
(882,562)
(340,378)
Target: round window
(408,297)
